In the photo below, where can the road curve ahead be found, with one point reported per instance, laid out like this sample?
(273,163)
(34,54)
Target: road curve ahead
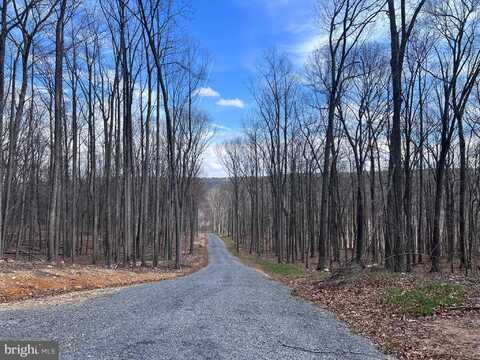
(224,311)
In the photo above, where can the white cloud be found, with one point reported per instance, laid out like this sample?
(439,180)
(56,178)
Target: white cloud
(211,162)
(231,102)
(207,92)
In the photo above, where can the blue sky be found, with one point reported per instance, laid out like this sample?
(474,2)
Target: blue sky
(235,34)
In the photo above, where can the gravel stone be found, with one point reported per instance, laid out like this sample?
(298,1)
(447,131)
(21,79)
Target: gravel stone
(224,311)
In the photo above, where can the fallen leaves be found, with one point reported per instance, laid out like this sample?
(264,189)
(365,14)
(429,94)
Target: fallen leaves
(447,334)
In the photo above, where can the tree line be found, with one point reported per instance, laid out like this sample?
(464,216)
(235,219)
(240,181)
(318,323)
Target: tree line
(370,153)
(100,133)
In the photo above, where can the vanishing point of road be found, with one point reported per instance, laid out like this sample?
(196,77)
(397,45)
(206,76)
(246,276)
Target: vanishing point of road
(224,311)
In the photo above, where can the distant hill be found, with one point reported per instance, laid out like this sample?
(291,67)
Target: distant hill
(212,183)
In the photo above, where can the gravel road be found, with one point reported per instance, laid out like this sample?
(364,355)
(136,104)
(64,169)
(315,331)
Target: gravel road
(224,311)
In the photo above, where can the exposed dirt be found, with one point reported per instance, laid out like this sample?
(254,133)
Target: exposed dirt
(75,297)
(21,280)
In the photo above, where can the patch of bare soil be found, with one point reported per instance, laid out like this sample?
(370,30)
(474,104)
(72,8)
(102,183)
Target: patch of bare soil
(75,297)
(450,333)
(20,280)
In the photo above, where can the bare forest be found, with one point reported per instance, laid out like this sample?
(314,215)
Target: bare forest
(369,154)
(100,133)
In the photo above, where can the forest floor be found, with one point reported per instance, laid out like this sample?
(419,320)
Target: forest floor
(409,316)
(30,280)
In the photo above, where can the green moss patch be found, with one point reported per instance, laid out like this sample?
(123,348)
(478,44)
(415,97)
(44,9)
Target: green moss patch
(425,298)
(270,266)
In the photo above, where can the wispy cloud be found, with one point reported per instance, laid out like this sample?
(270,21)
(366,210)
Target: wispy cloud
(220,127)
(304,47)
(311,43)
(310,35)
(212,164)
(231,102)
(207,92)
